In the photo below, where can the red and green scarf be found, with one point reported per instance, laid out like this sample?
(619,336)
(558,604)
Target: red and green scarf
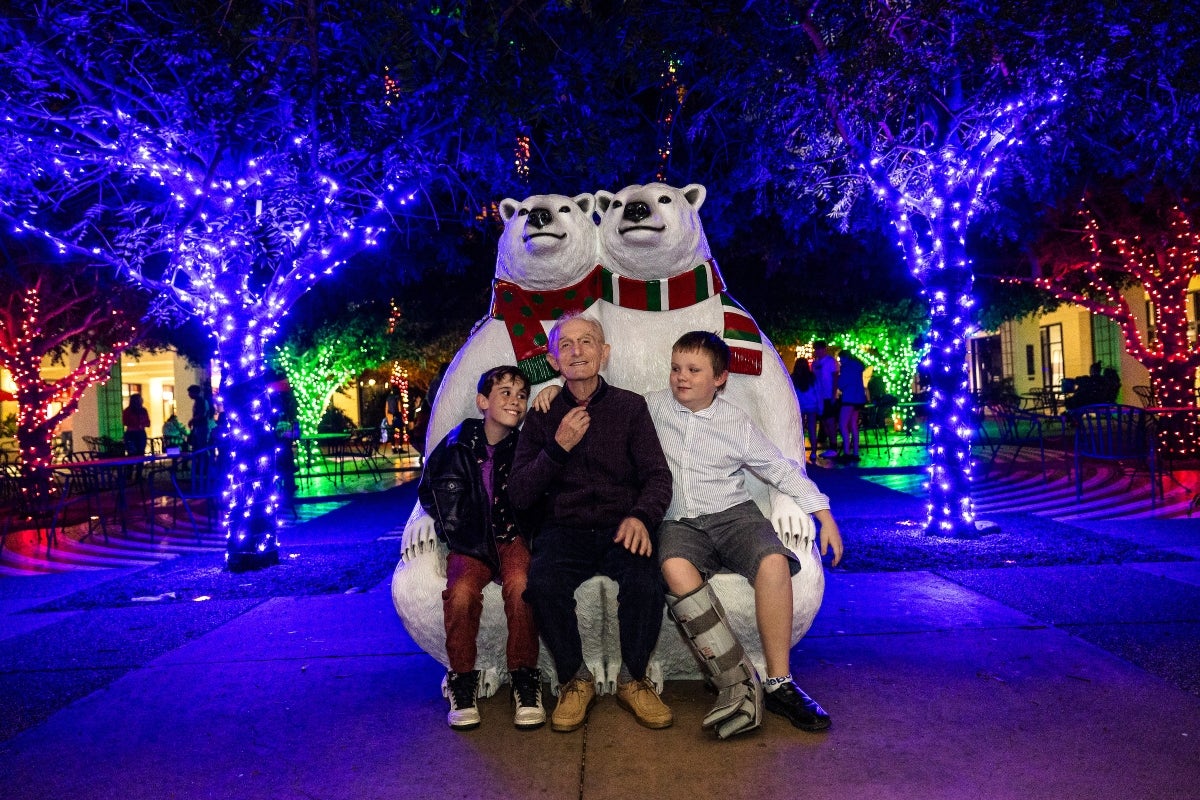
(523,311)
(701,282)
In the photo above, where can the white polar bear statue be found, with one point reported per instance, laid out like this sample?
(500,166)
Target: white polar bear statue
(659,282)
(545,267)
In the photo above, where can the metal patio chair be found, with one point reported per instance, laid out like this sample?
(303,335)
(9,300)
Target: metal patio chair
(1113,432)
(196,477)
(1017,430)
(875,422)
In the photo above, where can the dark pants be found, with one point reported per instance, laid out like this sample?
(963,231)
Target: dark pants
(135,442)
(563,558)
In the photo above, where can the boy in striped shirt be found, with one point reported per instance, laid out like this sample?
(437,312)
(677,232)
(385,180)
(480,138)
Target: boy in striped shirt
(713,524)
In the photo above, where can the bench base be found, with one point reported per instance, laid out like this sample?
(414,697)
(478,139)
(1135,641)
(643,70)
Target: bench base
(417,586)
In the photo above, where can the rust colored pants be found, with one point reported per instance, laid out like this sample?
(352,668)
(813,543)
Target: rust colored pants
(462,604)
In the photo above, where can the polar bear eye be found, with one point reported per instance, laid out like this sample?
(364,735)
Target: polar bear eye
(665,200)
(565,210)
(524,212)
(616,204)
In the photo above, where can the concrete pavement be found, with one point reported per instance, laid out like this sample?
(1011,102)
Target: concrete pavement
(1067,681)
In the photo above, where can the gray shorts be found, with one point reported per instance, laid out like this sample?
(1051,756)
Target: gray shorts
(737,539)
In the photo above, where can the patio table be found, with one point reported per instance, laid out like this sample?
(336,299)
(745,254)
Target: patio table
(90,479)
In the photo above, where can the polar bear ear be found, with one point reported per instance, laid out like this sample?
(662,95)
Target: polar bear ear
(603,200)
(694,193)
(585,203)
(508,208)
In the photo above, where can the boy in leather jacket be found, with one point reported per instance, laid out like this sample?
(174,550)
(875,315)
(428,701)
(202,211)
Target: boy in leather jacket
(464,489)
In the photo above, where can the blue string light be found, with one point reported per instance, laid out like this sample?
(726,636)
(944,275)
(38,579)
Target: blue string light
(238,245)
(934,193)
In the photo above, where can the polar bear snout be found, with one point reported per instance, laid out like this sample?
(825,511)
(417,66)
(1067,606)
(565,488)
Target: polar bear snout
(540,217)
(636,212)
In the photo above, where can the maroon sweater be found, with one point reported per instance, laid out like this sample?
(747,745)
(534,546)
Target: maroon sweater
(617,470)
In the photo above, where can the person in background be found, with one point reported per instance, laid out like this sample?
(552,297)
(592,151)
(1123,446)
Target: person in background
(876,389)
(418,422)
(174,432)
(198,424)
(393,419)
(136,420)
(825,368)
(805,384)
(853,397)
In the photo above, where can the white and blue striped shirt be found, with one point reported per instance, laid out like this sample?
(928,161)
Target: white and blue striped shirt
(708,450)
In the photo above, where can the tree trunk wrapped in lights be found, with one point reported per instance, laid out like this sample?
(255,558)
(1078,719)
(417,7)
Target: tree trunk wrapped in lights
(48,307)
(249,452)
(930,168)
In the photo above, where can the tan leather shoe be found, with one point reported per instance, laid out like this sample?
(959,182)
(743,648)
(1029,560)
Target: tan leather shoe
(644,703)
(575,699)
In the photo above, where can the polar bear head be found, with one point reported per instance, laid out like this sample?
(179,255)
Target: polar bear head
(549,241)
(652,231)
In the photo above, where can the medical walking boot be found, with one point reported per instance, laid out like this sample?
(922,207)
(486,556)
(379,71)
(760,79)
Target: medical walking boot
(701,619)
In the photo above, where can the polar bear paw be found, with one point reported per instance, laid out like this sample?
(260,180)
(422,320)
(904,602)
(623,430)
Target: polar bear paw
(796,528)
(419,537)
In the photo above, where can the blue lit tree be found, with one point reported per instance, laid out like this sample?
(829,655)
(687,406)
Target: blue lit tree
(916,105)
(226,160)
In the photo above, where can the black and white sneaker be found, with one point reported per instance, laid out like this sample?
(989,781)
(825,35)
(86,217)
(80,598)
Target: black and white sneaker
(528,712)
(462,690)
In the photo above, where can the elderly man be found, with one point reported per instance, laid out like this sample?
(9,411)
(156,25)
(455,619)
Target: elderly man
(595,461)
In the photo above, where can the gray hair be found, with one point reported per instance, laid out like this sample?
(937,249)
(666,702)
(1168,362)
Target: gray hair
(552,341)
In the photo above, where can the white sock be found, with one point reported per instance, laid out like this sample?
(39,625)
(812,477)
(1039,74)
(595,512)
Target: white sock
(771,684)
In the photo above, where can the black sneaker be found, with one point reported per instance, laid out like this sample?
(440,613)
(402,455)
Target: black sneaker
(462,690)
(791,702)
(528,711)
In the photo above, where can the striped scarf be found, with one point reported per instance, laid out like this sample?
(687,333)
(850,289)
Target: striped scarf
(523,311)
(686,289)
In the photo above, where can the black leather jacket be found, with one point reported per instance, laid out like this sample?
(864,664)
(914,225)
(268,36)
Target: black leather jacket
(452,492)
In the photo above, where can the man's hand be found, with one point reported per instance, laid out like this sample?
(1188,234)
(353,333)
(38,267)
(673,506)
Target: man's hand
(634,537)
(572,428)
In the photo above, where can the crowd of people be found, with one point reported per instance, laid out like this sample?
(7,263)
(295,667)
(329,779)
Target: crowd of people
(833,391)
(648,491)
(197,434)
